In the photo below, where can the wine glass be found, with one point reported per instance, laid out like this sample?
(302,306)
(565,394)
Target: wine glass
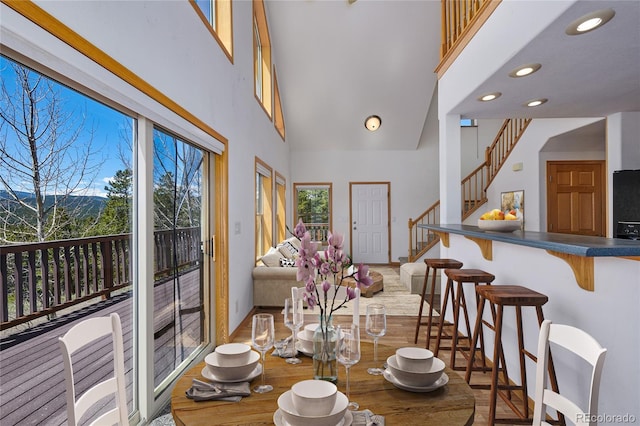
(262,336)
(348,352)
(293,320)
(376,328)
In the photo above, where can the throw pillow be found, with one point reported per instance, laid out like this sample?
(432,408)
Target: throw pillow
(288,250)
(272,257)
(287,263)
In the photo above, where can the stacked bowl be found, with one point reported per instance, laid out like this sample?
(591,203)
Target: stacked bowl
(305,339)
(312,403)
(232,362)
(415,369)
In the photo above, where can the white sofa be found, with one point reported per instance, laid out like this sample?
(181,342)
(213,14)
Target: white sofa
(275,274)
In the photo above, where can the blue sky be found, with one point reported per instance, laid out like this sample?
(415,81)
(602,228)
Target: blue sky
(109,127)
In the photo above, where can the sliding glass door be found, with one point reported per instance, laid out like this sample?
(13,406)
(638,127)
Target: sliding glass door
(179,213)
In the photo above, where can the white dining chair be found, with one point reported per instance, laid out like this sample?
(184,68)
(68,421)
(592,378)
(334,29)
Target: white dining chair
(80,335)
(585,346)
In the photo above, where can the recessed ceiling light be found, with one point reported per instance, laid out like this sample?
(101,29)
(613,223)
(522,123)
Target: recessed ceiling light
(525,70)
(590,22)
(490,96)
(372,123)
(535,102)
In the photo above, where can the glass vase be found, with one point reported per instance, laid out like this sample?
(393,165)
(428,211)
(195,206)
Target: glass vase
(325,340)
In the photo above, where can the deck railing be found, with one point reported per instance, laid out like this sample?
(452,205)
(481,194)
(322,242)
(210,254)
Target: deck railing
(39,279)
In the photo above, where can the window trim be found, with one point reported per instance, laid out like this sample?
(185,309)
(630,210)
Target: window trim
(280,192)
(262,58)
(313,185)
(278,117)
(262,239)
(222,30)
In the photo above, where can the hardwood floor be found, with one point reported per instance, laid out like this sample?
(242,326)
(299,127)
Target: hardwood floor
(400,332)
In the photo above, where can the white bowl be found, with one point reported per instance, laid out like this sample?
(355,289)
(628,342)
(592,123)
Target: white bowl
(414,359)
(238,372)
(500,225)
(411,378)
(292,417)
(314,397)
(306,344)
(233,354)
(310,329)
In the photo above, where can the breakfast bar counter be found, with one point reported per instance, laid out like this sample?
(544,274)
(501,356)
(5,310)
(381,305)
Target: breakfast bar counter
(577,250)
(451,404)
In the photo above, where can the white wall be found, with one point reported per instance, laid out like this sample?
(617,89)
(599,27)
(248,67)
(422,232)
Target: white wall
(413,177)
(167,45)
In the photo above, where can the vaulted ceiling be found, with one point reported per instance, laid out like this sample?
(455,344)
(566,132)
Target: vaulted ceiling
(338,62)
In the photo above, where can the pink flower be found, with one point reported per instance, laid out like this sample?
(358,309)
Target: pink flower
(362,276)
(351,293)
(300,229)
(326,285)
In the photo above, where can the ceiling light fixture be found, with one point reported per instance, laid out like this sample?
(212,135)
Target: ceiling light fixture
(524,70)
(590,22)
(535,102)
(372,123)
(489,97)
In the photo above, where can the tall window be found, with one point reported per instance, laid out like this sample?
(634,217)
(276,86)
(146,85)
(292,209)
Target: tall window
(278,117)
(262,57)
(313,205)
(264,207)
(218,17)
(281,207)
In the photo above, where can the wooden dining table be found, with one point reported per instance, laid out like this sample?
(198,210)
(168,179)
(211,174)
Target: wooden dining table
(452,404)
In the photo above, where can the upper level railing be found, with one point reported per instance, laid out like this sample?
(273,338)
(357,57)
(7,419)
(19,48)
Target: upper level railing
(39,279)
(461,19)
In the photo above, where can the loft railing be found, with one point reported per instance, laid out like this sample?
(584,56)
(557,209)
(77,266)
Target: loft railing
(474,186)
(461,19)
(39,279)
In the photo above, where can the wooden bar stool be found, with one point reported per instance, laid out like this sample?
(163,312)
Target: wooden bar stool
(500,296)
(458,302)
(434,264)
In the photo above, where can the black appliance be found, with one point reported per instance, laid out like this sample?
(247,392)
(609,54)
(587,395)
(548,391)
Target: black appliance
(626,204)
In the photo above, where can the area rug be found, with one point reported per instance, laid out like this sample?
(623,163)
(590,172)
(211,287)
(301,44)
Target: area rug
(397,300)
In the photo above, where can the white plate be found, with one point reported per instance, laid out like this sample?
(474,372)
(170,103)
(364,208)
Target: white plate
(279,420)
(208,374)
(302,351)
(436,385)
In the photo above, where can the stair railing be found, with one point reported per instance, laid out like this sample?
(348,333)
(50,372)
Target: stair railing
(420,239)
(474,187)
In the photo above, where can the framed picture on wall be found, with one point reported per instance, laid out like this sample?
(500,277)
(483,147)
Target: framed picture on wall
(513,200)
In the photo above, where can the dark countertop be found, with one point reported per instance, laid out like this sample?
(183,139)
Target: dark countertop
(578,245)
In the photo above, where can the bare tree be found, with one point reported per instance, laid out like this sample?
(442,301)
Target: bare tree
(46,157)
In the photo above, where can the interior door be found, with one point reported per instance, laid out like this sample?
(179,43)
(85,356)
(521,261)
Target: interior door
(370,222)
(575,197)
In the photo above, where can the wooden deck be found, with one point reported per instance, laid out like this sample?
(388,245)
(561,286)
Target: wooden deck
(32,389)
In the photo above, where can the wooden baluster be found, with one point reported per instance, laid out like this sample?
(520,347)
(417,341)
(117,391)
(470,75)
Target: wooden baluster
(31,274)
(4,289)
(44,271)
(18,285)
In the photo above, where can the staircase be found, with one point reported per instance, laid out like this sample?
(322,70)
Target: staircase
(474,187)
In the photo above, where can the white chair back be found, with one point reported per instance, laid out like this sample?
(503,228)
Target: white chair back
(585,346)
(78,337)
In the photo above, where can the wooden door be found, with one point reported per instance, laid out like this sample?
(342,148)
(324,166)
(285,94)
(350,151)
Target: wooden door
(575,197)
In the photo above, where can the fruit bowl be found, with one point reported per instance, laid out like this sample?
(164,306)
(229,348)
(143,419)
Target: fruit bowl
(500,225)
